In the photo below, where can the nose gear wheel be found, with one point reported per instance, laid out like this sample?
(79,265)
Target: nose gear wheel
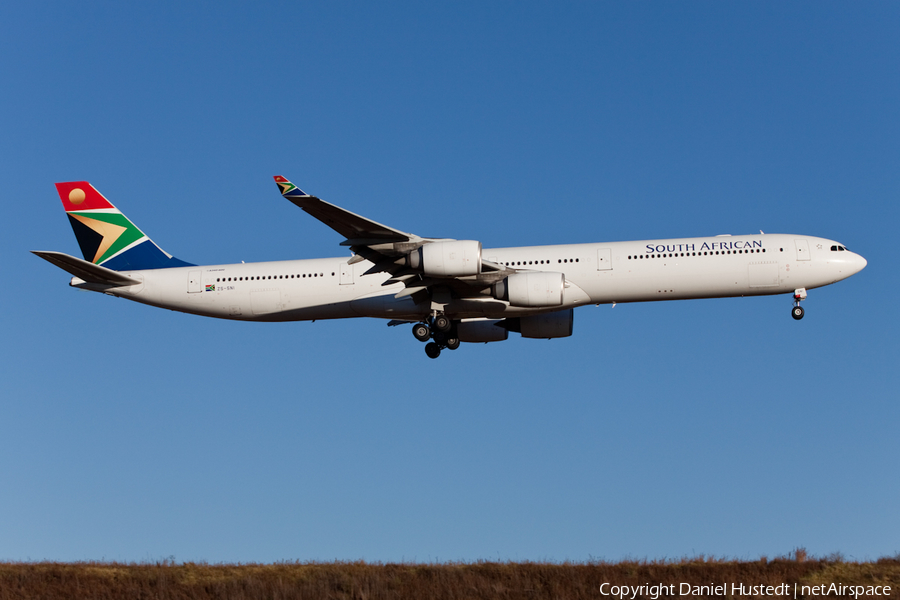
(797,311)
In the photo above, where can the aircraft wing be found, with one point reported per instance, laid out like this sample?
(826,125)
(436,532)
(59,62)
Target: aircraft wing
(358,230)
(85,270)
(387,248)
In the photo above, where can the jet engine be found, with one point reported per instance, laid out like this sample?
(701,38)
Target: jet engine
(532,289)
(549,325)
(447,259)
(483,330)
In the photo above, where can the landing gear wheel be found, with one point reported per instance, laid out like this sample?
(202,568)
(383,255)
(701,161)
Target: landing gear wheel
(797,313)
(442,323)
(452,343)
(422,332)
(432,350)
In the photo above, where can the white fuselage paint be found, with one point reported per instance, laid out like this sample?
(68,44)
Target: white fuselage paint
(640,271)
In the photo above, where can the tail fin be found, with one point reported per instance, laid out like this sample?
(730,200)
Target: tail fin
(106,236)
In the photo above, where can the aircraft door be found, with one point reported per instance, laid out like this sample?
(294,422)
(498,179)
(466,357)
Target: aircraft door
(802,249)
(194,282)
(604,259)
(346,274)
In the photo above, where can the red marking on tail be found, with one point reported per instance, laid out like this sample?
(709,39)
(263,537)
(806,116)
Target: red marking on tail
(81,195)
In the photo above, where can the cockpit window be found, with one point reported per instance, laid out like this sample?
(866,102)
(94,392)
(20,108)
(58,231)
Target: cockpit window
(839,248)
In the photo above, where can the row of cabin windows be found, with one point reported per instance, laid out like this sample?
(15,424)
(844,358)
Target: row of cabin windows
(264,277)
(539,262)
(710,252)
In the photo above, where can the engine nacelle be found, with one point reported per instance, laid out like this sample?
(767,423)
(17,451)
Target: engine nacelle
(537,289)
(447,259)
(481,331)
(550,325)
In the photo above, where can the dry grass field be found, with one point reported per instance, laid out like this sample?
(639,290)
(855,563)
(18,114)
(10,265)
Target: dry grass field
(360,580)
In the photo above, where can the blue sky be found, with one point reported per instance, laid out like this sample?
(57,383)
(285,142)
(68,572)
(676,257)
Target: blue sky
(658,430)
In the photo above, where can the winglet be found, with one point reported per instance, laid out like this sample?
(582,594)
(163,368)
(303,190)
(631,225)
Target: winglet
(288,189)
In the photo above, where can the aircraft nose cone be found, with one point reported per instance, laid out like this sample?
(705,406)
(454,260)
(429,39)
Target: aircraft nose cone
(860,263)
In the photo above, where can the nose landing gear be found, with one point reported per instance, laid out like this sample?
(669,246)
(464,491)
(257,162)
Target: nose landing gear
(442,332)
(797,312)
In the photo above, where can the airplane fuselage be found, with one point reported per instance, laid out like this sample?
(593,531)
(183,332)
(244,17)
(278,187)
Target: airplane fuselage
(615,272)
(450,290)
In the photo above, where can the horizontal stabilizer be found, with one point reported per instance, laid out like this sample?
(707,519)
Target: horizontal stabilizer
(85,270)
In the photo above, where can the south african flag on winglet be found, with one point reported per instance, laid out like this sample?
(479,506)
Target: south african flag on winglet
(287,188)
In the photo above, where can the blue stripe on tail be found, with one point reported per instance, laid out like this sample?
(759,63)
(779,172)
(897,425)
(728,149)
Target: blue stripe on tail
(145,255)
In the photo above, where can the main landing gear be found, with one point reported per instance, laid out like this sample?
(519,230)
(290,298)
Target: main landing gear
(441,330)
(797,311)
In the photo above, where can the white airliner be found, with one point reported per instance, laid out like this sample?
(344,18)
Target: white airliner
(451,291)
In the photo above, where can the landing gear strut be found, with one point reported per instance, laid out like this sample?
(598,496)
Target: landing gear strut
(797,311)
(442,332)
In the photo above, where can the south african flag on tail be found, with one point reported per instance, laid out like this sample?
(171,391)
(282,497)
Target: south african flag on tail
(106,236)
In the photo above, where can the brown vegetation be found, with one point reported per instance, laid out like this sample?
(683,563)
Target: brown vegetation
(360,580)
